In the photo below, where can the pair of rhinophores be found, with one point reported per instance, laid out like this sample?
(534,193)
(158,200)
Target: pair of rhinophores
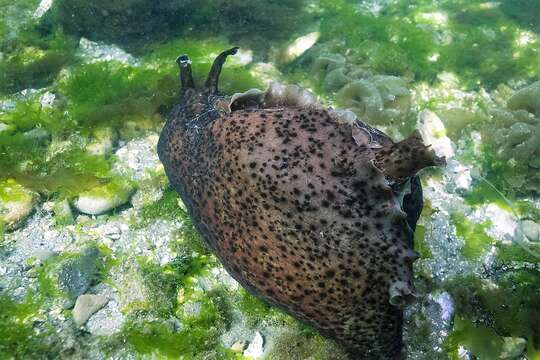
(308,208)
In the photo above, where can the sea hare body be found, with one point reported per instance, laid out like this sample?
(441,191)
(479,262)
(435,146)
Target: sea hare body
(303,206)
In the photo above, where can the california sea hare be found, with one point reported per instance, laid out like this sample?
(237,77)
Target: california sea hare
(308,208)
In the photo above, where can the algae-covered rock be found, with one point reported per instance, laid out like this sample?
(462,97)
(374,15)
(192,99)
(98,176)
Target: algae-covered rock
(62,212)
(76,273)
(16,203)
(102,199)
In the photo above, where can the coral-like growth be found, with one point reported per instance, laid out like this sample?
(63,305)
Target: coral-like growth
(514,135)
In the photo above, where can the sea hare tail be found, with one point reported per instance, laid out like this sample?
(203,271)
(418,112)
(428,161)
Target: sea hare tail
(404,159)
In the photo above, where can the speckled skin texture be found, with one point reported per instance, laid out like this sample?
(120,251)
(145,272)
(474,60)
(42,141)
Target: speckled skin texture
(301,213)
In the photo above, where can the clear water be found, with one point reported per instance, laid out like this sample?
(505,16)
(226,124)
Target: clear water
(85,207)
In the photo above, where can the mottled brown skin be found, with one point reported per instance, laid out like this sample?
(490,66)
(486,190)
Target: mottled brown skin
(299,213)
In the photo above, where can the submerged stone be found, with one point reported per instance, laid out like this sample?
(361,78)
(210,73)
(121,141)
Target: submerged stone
(104,198)
(78,273)
(16,203)
(87,305)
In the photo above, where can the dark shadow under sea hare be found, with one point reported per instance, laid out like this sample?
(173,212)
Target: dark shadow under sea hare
(308,208)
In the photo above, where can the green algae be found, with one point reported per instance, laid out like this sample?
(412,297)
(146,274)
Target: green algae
(197,338)
(479,43)
(482,341)
(420,244)
(34,58)
(292,344)
(258,311)
(487,311)
(180,332)
(476,239)
(386,45)
(19,338)
(166,208)
(108,91)
(166,281)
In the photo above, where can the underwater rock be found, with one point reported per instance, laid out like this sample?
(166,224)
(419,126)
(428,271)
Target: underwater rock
(86,306)
(117,20)
(92,51)
(297,47)
(16,203)
(77,274)
(102,199)
(300,204)
(107,321)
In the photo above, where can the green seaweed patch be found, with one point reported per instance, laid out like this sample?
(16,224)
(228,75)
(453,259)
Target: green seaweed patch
(165,282)
(293,344)
(196,339)
(34,58)
(30,157)
(480,340)
(29,114)
(387,44)
(19,338)
(482,44)
(109,91)
(474,235)
(507,307)
(171,208)
(515,253)
(167,208)
(191,334)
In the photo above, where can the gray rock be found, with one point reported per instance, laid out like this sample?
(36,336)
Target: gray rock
(86,306)
(106,321)
(76,275)
(531,230)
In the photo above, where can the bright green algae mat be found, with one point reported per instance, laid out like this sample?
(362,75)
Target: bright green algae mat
(486,46)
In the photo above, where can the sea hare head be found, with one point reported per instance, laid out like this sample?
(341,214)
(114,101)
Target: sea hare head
(308,208)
